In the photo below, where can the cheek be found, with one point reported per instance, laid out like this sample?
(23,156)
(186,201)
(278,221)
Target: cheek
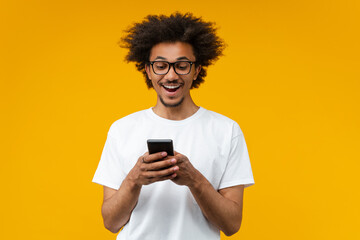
(155,81)
(155,78)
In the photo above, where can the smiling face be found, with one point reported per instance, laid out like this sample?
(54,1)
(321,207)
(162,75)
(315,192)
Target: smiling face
(172,89)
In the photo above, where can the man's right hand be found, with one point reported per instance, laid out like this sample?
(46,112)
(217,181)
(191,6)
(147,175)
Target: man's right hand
(152,168)
(118,204)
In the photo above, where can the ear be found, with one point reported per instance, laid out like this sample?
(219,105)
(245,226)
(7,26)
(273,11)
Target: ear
(147,69)
(197,71)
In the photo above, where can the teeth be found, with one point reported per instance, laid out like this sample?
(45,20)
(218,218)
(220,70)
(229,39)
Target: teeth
(171,86)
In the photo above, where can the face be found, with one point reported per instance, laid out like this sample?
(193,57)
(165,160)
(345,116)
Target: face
(172,89)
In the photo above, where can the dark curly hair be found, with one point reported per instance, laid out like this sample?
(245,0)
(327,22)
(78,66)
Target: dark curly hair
(154,29)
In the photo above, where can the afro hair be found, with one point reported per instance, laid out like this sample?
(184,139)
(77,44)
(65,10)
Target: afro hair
(155,29)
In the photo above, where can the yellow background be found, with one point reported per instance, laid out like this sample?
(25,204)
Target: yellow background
(290,77)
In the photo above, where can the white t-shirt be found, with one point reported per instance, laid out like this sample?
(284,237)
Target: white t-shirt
(213,143)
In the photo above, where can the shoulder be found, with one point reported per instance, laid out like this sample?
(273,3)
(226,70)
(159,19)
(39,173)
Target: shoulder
(128,122)
(218,117)
(222,122)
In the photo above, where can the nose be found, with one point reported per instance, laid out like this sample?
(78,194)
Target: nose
(171,75)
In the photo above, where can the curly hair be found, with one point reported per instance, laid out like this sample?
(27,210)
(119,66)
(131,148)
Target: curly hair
(154,29)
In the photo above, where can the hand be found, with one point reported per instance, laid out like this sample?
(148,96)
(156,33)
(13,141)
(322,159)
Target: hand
(186,174)
(153,168)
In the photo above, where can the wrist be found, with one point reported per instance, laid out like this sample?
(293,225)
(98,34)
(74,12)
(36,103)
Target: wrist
(197,181)
(132,184)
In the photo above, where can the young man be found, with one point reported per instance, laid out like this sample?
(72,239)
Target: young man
(197,192)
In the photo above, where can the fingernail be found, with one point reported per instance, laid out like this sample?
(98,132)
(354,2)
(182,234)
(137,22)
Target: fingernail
(163,154)
(176,168)
(173,160)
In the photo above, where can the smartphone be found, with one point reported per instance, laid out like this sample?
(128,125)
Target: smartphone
(160,145)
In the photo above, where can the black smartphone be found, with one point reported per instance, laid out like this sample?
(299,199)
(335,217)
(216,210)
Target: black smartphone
(160,145)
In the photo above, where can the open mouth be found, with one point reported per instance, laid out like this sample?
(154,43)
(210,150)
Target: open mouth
(171,88)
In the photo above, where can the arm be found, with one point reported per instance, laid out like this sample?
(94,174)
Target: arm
(222,208)
(118,204)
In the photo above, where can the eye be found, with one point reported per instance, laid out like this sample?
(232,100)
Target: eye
(182,65)
(161,65)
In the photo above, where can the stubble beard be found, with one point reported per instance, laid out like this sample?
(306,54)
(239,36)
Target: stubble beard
(171,105)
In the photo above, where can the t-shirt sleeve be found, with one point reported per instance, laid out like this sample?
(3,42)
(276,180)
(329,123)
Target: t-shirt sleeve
(238,169)
(109,171)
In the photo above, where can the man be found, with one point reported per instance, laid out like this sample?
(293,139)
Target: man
(197,192)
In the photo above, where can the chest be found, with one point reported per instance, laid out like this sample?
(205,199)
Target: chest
(207,151)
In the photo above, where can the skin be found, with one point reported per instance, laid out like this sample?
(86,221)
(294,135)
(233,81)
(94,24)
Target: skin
(223,208)
(173,52)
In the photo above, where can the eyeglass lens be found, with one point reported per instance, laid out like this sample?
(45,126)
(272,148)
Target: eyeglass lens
(161,67)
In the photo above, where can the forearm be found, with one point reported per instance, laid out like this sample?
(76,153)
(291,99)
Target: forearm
(118,205)
(220,211)
(117,209)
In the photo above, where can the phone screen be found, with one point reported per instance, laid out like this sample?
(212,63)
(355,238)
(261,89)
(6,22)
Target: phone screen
(160,145)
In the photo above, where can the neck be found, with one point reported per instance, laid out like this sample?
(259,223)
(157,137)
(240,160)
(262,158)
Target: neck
(181,112)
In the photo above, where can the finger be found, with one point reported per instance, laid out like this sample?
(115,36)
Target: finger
(141,158)
(180,158)
(178,155)
(159,179)
(161,173)
(154,157)
(167,177)
(166,163)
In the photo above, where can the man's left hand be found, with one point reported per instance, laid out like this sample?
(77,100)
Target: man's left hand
(187,173)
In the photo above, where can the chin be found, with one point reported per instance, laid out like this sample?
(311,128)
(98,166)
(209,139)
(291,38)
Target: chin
(171,105)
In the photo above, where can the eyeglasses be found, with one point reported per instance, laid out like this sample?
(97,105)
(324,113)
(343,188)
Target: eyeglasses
(163,67)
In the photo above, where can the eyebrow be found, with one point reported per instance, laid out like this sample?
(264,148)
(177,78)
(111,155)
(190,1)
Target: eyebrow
(158,57)
(182,58)
(179,58)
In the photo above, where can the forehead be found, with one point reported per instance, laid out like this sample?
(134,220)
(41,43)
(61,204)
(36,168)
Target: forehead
(172,51)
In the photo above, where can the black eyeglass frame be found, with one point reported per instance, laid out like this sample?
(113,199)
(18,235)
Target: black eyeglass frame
(171,65)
